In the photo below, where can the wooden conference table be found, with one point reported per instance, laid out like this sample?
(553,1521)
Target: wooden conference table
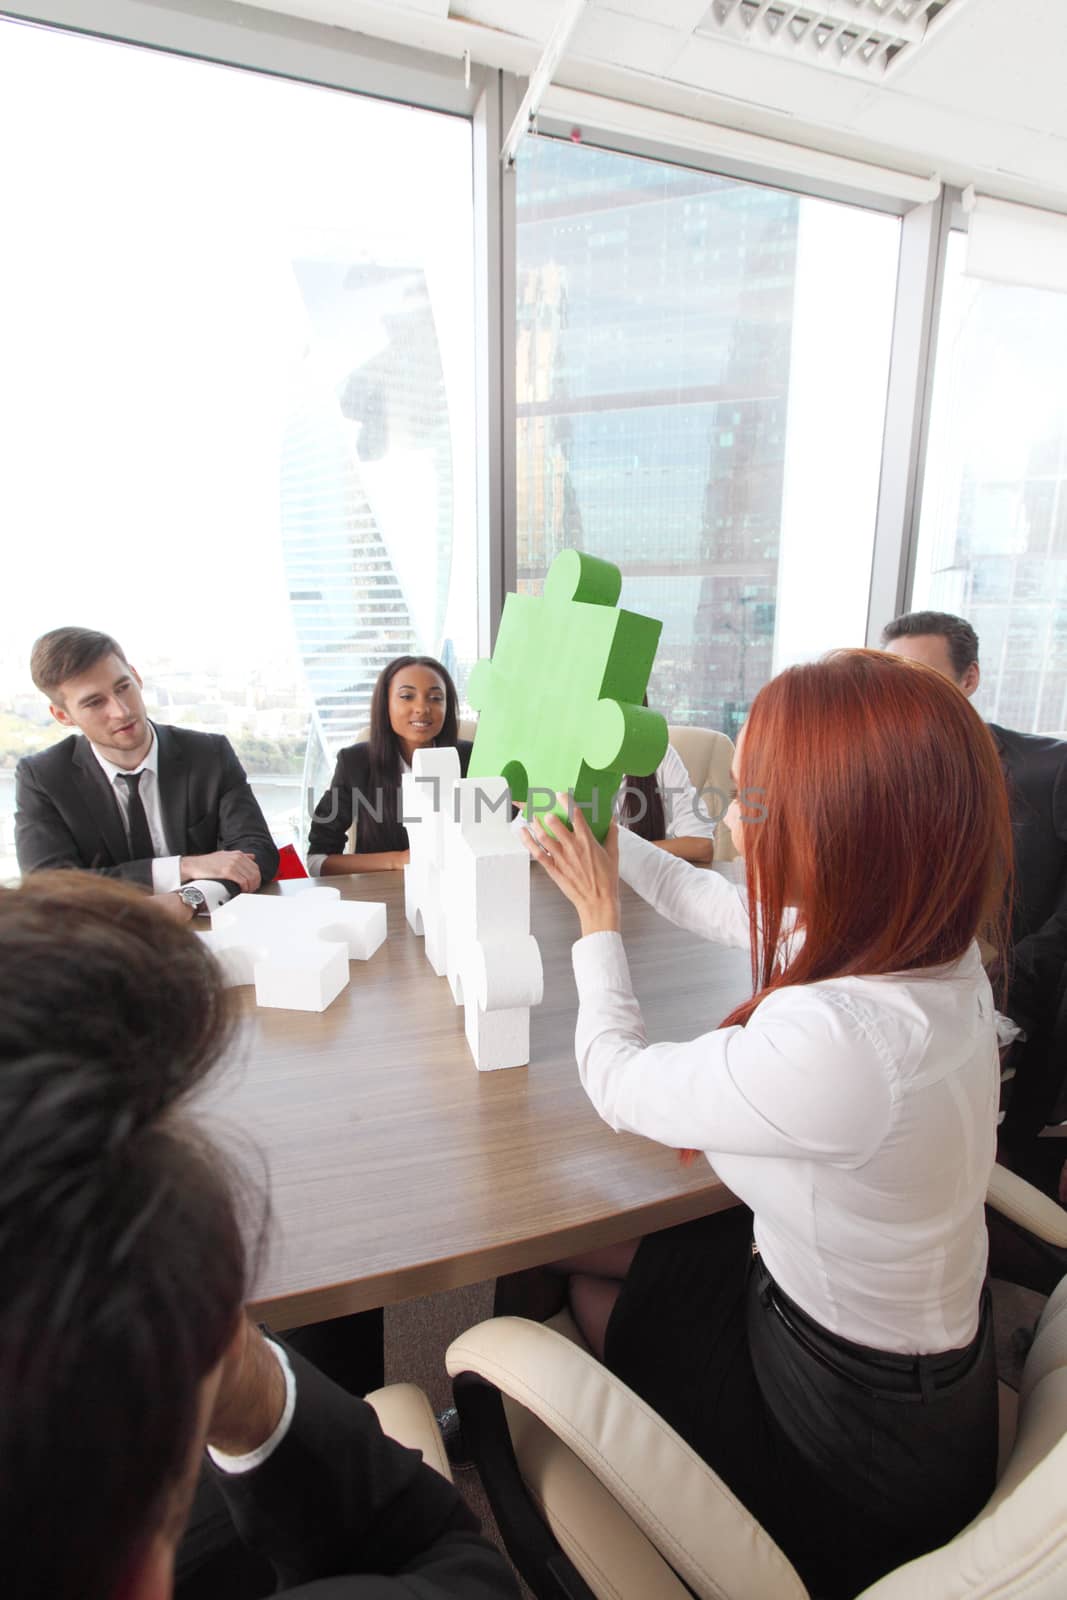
(396,1169)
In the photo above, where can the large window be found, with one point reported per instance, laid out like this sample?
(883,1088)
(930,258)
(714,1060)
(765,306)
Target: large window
(236,398)
(993,533)
(701,382)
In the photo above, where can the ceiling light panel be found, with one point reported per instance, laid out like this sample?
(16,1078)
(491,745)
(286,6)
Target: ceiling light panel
(865,38)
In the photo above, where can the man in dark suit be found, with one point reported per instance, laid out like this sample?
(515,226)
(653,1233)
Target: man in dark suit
(166,808)
(124,1349)
(1035,767)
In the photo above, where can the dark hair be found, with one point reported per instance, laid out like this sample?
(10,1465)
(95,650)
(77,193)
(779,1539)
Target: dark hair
(960,637)
(385,756)
(649,819)
(122,1266)
(66,653)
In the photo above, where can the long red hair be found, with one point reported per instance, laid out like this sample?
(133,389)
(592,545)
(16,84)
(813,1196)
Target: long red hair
(876,804)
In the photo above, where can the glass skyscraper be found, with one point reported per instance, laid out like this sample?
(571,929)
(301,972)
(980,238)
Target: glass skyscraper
(655,310)
(366,498)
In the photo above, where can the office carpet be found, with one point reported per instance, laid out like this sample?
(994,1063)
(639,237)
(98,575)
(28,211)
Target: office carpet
(417,1334)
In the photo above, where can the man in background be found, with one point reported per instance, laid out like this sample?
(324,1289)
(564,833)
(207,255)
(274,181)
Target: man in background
(124,1348)
(1035,767)
(167,808)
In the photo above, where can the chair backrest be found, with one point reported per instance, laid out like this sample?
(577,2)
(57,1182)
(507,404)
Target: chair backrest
(635,1510)
(707,756)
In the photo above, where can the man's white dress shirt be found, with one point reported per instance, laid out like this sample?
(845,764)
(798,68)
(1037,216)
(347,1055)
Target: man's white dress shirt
(856,1117)
(166,868)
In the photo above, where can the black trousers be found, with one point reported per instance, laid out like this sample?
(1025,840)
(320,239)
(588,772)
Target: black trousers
(854,1460)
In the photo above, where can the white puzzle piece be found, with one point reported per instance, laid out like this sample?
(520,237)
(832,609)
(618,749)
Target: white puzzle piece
(469,879)
(296,949)
(426,795)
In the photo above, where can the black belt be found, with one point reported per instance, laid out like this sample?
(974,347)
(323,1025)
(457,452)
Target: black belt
(914,1377)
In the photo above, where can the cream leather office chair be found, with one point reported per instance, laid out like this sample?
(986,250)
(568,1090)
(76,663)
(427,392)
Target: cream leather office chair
(598,1499)
(707,756)
(407,1416)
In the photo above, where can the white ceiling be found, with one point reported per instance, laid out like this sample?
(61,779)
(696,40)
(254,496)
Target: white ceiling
(982,101)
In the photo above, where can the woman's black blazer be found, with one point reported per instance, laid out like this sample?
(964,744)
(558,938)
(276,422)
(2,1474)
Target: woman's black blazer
(333,815)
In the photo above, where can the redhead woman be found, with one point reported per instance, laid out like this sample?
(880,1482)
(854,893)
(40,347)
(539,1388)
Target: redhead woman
(826,1346)
(413,708)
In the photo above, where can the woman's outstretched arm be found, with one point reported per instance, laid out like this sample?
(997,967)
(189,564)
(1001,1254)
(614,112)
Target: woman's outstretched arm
(704,903)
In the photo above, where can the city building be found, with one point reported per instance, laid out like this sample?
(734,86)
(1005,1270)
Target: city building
(366,491)
(654,313)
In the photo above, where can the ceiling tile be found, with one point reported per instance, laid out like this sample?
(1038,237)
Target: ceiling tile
(1043,161)
(681,14)
(510,16)
(785,85)
(942,134)
(963,69)
(607,35)
(1001,59)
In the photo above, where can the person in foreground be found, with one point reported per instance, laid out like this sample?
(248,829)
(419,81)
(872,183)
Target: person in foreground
(414,707)
(826,1346)
(123,1344)
(167,808)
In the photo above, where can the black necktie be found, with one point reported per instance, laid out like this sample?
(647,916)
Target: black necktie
(141,846)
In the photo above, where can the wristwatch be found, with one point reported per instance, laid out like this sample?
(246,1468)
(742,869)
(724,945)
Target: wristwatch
(194,898)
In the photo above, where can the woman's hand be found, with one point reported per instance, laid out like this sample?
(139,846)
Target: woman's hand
(586,872)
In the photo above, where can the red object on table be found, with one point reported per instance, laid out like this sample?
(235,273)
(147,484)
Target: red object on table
(289,863)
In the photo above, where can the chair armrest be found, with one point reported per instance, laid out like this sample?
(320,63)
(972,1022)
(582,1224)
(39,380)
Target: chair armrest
(681,1506)
(1027,1207)
(407,1416)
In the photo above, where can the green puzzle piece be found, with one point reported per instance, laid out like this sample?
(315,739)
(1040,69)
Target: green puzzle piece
(560,701)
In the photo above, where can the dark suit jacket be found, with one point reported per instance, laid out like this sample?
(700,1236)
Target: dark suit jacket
(67,815)
(333,815)
(353,1515)
(1035,768)
(1036,771)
